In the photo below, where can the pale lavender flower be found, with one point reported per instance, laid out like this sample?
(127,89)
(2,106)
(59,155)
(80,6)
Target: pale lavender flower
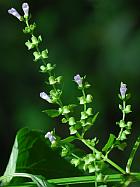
(78,79)
(14,12)
(123,89)
(25,8)
(50,137)
(44,96)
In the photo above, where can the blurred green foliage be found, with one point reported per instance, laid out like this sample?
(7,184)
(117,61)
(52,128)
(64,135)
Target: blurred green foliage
(97,38)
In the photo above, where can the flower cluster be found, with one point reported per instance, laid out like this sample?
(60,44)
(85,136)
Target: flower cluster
(125,109)
(125,126)
(14,12)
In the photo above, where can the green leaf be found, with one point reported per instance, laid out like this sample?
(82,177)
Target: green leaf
(31,154)
(11,167)
(52,113)
(40,181)
(109,143)
(95,117)
(69,139)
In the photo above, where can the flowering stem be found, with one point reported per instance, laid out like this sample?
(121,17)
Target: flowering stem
(104,157)
(123,118)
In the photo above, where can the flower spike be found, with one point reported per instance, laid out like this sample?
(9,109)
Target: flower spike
(15,13)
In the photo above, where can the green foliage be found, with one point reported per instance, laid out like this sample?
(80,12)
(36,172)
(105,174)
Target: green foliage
(31,156)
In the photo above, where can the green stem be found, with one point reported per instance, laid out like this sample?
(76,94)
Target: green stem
(84,95)
(134,177)
(132,154)
(123,118)
(44,62)
(96,184)
(105,158)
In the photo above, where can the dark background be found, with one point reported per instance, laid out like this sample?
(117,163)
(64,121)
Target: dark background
(97,38)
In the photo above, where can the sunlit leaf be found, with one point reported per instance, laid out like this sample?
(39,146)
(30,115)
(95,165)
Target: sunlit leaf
(31,154)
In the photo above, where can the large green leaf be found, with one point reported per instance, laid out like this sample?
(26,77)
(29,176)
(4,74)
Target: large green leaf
(31,154)
(11,167)
(37,181)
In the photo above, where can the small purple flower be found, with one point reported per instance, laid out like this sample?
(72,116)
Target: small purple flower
(25,8)
(123,89)
(14,12)
(78,79)
(50,137)
(44,96)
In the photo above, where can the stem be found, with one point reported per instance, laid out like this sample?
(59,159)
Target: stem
(132,154)
(96,184)
(37,48)
(83,92)
(104,157)
(134,177)
(116,166)
(123,118)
